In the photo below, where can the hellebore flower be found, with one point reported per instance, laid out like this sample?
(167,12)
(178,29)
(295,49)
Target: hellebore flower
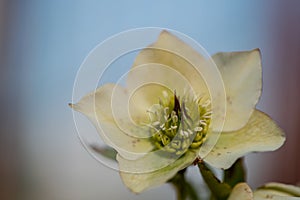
(163,117)
(276,191)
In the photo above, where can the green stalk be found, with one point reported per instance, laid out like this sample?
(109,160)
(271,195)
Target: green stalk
(184,190)
(220,191)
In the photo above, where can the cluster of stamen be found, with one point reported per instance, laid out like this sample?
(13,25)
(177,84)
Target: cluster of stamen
(180,124)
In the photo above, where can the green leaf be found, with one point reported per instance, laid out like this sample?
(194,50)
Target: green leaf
(184,189)
(235,174)
(219,190)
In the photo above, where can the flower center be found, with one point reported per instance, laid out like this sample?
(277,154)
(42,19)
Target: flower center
(179,124)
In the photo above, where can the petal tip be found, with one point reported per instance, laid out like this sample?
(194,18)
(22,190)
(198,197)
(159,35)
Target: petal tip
(73,106)
(258,51)
(164,32)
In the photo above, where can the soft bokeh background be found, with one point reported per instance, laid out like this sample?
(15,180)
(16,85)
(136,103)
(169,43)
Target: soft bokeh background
(43,44)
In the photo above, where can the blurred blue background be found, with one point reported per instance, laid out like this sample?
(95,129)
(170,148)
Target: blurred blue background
(43,44)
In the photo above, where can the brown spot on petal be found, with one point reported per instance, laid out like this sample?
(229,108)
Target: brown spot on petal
(229,101)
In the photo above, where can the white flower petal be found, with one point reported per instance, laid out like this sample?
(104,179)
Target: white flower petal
(176,60)
(150,83)
(242,76)
(157,73)
(150,162)
(292,189)
(138,182)
(276,191)
(259,134)
(266,194)
(98,106)
(241,191)
(143,98)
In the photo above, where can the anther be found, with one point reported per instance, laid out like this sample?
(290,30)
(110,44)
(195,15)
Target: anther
(175,118)
(166,110)
(198,129)
(173,127)
(156,123)
(206,104)
(202,122)
(189,131)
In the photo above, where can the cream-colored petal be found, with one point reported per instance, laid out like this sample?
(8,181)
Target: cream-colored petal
(138,182)
(152,84)
(241,191)
(277,191)
(174,56)
(259,134)
(266,194)
(242,76)
(291,189)
(107,108)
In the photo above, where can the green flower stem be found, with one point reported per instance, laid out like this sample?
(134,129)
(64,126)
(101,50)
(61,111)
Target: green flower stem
(191,191)
(183,188)
(235,174)
(219,190)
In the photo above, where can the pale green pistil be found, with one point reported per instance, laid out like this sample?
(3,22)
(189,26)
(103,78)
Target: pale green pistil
(176,128)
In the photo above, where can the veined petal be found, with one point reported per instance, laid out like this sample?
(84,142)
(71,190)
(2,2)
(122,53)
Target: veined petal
(174,56)
(138,182)
(98,106)
(242,76)
(259,134)
(241,191)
